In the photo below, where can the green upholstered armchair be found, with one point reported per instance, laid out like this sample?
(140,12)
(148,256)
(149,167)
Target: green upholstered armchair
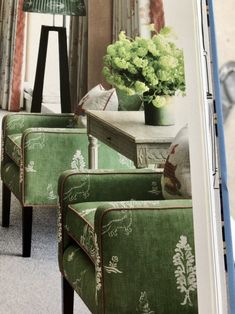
(36,149)
(123,248)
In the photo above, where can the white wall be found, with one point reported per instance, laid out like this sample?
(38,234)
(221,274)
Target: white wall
(177,17)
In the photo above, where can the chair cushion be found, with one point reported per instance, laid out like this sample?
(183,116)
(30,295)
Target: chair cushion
(97,98)
(13,147)
(79,223)
(176,180)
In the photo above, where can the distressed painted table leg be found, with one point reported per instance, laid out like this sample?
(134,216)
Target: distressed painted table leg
(93,152)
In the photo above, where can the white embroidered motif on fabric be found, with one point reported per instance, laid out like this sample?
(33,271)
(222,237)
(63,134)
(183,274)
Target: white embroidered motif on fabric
(78,162)
(37,142)
(98,269)
(30,167)
(112,268)
(87,211)
(185,272)
(143,306)
(59,224)
(16,122)
(87,240)
(155,188)
(81,191)
(50,192)
(121,224)
(21,171)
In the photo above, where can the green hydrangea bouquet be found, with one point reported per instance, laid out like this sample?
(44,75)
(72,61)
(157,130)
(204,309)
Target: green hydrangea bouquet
(151,68)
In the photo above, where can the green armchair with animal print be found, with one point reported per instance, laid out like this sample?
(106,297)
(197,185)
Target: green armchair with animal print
(122,247)
(36,149)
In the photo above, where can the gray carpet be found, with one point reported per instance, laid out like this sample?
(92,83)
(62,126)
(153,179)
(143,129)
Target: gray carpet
(31,285)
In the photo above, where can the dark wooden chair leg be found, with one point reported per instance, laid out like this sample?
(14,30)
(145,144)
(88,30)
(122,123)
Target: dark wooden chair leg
(27,213)
(67,297)
(6,204)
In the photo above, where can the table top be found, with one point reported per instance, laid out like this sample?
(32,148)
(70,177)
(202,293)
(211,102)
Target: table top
(131,124)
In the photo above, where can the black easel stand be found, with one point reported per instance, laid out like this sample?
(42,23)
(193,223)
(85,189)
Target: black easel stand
(40,71)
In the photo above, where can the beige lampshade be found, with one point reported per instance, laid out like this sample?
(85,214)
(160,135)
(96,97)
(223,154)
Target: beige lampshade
(62,7)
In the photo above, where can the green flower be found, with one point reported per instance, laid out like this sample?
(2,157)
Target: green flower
(127,90)
(123,53)
(122,36)
(141,51)
(140,63)
(152,48)
(132,69)
(140,87)
(168,62)
(120,63)
(164,75)
(146,66)
(159,101)
(111,51)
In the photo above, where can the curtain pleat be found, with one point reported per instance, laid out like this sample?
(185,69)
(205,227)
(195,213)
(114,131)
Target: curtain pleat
(157,14)
(12,23)
(18,44)
(126,18)
(78,62)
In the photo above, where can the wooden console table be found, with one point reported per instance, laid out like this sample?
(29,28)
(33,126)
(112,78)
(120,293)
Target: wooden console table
(126,132)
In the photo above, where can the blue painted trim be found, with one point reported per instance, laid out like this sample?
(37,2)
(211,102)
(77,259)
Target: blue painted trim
(222,159)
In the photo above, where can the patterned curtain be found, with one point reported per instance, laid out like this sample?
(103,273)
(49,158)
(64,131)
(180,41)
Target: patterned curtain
(132,16)
(12,23)
(126,18)
(78,62)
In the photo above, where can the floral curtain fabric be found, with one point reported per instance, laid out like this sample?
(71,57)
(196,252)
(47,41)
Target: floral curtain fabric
(12,23)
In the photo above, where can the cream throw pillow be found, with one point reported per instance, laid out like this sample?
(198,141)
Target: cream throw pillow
(176,181)
(98,98)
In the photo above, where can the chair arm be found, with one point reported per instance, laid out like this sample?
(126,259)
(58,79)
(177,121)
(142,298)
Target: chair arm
(147,249)
(107,185)
(18,122)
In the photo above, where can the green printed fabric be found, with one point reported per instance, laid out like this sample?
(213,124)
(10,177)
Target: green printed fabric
(80,273)
(106,185)
(18,122)
(46,156)
(10,175)
(84,188)
(79,223)
(143,253)
(146,258)
(13,147)
(45,145)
